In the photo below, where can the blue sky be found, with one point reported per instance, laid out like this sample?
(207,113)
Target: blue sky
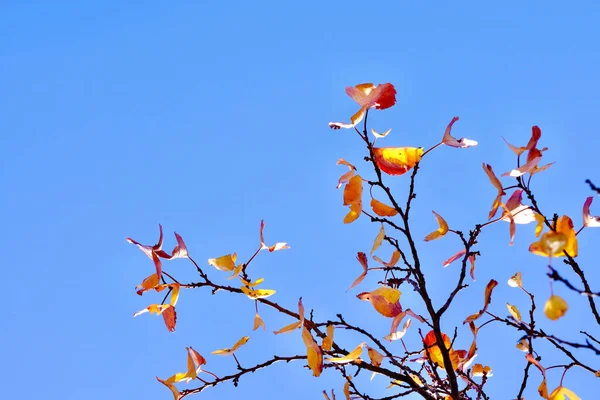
(208,117)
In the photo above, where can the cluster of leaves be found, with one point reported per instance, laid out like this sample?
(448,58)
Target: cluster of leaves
(434,370)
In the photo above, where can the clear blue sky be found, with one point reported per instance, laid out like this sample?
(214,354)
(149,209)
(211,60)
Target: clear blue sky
(209,116)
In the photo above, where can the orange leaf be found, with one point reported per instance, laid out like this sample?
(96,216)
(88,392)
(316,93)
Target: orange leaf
(441,231)
(368,96)
(449,140)
(362,259)
(385,300)
(523,169)
(148,283)
(435,353)
(383,210)
(562,393)
(170,318)
(172,388)
(313,352)
(521,213)
(516,280)
(490,173)
(488,299)
(397,160)
(354,213)
(328,340)
(480,370)
(400,334)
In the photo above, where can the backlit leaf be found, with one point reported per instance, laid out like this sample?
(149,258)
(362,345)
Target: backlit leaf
(381,209)
(368,96)
(275,247)
(397,160)
(514,311)
(555,307)
(385,300)
(480,370)
(237,345)
(362,259)
(258,322)
(380,135)
(313,352)
(516,280)
(328,340)
(353,356)
(562,393)
(378,239)
(454,258)
(588,220)
(449,140)
(257,293)
(224,263)
(441,231)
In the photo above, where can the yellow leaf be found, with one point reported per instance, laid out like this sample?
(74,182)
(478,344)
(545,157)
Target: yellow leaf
(224,263)
(395,258)
(562,393)
(540,220)
(555,307)
(258,322)
(252,284)
(313,352)
(375,356)
(556,243)
(353,190)
(516,280)
(236,271)
(328,340)
(500,191)
(258,293)
(441,231)
(381,209)
(397,160)
(385,300)
(172,388)
(289,328)
(353,356)
(378,239)
(237,345)
(514,311)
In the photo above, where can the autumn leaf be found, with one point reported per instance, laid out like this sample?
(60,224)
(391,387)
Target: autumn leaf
(554,243)
(151,251)
(435,353)
(494,180)
(454,258)
(237,345)
(380,135)
(257,293)
(514,311)
(562,393)
(353,356)
(194,363)
(487,300)
(520,213)
(148,283)
(512,227)
(275,247)
(536,134)
(166,310)
(555,307)
(347,387)
(397,160)
(172,388)
(294,325)
(346,176)
(515,173)
(224,263)
(588,220)
(385,300)
(375,356)
(393,260)
(362,259)
(180,250)
(328,340)
(368,96)
(314,353)
(353,198)
(516,280)
(381,209)
(448,140)
(480,370)
(399,334)
(441,231)
(258,322)
(378,239)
